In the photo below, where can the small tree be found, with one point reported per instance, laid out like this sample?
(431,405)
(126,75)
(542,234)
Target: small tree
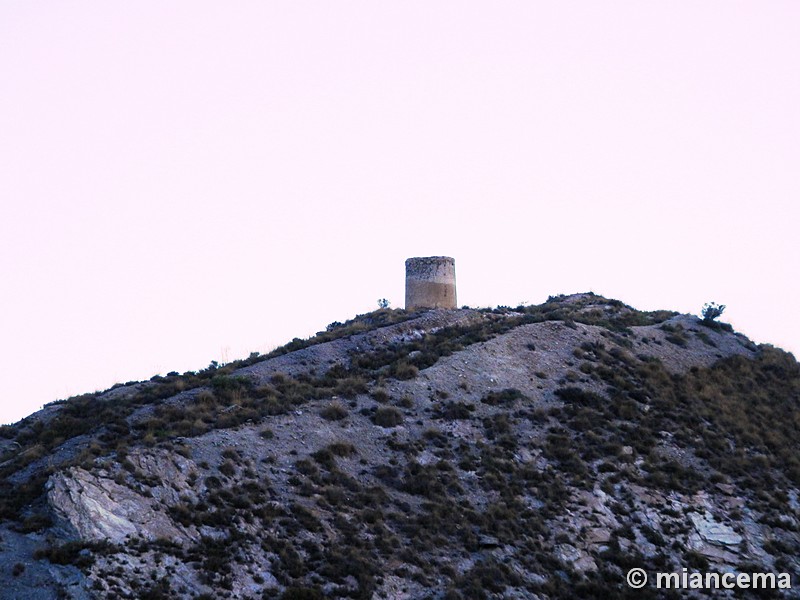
(383,303)
(712,310)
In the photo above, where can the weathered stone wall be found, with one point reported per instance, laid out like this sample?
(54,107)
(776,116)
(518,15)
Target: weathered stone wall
(430,282)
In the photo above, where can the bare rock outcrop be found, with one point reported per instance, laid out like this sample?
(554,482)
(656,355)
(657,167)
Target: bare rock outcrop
(101,507)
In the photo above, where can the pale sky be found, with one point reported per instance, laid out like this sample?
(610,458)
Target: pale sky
(186,181)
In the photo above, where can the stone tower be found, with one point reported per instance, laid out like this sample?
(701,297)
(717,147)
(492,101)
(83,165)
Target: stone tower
(430,282)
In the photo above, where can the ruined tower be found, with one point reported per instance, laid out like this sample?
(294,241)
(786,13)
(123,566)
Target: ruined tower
(430,282)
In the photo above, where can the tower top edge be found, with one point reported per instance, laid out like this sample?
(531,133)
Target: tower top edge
(432,259)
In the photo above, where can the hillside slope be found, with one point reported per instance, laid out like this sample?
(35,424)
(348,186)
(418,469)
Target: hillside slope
(537,452)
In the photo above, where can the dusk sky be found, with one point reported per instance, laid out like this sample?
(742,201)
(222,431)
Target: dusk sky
(191,181)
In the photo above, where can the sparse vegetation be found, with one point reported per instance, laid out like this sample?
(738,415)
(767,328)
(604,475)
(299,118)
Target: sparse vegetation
(484,484)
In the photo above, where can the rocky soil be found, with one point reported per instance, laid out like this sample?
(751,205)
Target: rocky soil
(534,453)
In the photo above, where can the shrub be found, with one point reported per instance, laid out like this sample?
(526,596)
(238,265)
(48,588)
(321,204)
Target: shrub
(333,412)
(351,387)
(695,560)
(678,340)
(342,449)
(70,553)
(231,453)
(33,523)
(403,370)
(387,417)
(380,395)
(454,410)
(506,396)
(712,311)
(406,402)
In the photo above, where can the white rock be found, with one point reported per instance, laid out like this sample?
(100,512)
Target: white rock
(714,532)
(101,509)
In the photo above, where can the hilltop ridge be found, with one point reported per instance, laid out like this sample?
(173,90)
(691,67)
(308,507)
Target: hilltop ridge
(528,452)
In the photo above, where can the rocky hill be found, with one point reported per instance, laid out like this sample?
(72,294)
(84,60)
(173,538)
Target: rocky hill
(536,452)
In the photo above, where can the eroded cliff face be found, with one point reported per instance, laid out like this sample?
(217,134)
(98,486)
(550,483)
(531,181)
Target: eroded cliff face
(100,506)
(497,454)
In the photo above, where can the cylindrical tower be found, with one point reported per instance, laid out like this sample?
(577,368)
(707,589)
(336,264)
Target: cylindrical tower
(430,282)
